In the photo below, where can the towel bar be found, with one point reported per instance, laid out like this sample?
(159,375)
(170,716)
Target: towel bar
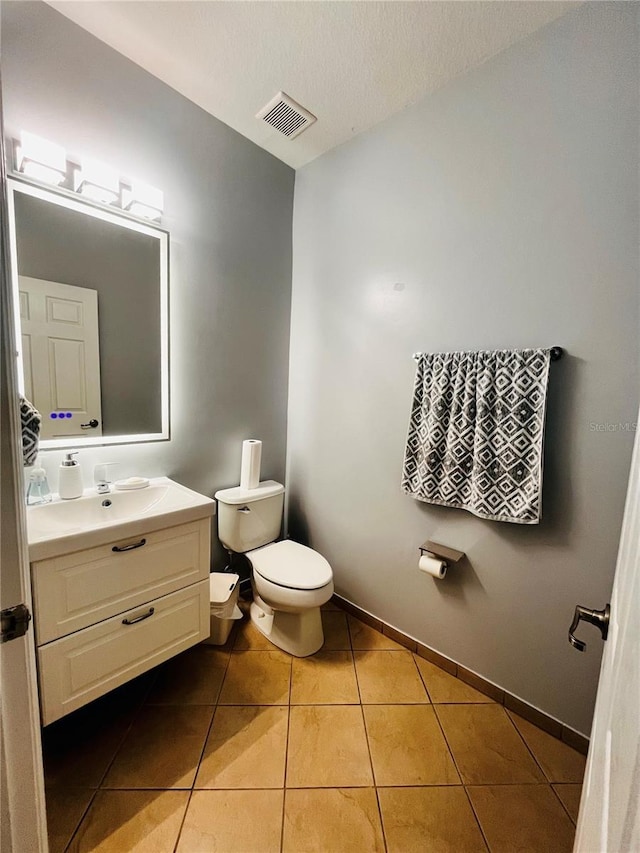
(556,354)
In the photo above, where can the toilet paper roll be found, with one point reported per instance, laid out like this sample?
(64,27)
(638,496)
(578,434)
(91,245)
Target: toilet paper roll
(250,466)
(432,566)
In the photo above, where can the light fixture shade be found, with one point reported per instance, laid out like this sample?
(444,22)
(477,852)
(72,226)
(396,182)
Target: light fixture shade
(41,159)
(97,181)
(143,200)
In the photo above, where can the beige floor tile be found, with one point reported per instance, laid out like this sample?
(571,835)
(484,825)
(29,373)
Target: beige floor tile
(65,808)
(559,762)
(336,631)
(257,678)
(433,819)
(407,746)
(332,820)
(486,747)
(192,678)
(363,637)
(232,822)
(327,747)
(246,748)
(248,637)
(526,818)
(570,796)
(135,821)
(326,678)
(386,677)
(162,749)
(445,688)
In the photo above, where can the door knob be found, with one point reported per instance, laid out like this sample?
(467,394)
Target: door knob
(93,423)
(600,618)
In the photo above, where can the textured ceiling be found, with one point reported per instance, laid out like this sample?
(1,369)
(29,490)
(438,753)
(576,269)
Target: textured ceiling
(352,64)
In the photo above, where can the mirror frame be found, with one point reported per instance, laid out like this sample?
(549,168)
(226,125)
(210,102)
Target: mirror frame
(70,201)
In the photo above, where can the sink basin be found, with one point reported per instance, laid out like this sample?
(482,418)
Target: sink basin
(64,526)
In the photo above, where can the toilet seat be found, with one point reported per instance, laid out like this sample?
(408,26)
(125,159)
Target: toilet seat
(291,565)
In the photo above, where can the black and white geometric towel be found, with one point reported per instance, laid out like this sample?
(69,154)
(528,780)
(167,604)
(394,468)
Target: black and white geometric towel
(476,433)
(30,422)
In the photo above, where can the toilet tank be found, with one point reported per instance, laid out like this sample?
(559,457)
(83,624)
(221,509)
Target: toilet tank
(250,518)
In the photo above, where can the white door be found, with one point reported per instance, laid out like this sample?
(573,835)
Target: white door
(60,356)
(22,806)
(609,819)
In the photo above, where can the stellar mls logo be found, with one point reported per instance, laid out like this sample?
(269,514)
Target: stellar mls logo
(628,426)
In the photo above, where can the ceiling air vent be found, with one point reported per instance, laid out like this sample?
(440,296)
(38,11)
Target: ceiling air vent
(283,113)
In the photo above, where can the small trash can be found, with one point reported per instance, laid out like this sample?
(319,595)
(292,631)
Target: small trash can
(223,606)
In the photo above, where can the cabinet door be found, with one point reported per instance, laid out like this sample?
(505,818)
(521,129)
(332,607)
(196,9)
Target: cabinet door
(84,665)
(77,590)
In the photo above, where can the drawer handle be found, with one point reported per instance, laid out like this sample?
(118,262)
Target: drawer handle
(119,549)
(139,618)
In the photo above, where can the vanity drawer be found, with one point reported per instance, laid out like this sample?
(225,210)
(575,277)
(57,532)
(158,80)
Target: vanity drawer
(76,590)
(83,666)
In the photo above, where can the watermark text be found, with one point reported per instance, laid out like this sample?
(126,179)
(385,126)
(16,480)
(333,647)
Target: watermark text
(627,426)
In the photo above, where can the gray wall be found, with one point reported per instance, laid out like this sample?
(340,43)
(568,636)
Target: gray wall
(228,206)
(123,266)
(500,212)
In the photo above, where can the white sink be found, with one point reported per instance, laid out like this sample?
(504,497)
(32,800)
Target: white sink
(67,525)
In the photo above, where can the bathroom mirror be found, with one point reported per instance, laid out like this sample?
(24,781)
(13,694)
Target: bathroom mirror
(91,302)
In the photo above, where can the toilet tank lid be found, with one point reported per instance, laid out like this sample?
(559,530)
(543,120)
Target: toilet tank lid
(238,495)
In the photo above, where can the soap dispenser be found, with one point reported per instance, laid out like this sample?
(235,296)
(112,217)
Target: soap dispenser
(38,491)
(70,479)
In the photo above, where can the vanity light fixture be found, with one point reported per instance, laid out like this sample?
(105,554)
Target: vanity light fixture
(97,181)
(46,162)
(143,200)
(38,158)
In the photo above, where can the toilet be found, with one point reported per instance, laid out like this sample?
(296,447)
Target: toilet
(290,581)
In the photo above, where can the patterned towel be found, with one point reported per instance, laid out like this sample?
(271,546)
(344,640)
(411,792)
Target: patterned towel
(476,433)
(31,420)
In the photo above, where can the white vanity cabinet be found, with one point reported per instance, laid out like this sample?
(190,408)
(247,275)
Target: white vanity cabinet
(105,614)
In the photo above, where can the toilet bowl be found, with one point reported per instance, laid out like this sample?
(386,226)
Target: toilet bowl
(290,581)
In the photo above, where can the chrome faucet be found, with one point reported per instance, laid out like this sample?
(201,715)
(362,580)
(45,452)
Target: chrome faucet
(102,477)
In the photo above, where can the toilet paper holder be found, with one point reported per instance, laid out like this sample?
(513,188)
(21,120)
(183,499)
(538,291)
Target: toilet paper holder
(442,552)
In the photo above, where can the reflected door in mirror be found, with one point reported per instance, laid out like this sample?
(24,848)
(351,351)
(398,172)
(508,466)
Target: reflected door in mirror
(61,356)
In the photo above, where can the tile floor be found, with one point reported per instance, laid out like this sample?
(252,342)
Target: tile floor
(363,747)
